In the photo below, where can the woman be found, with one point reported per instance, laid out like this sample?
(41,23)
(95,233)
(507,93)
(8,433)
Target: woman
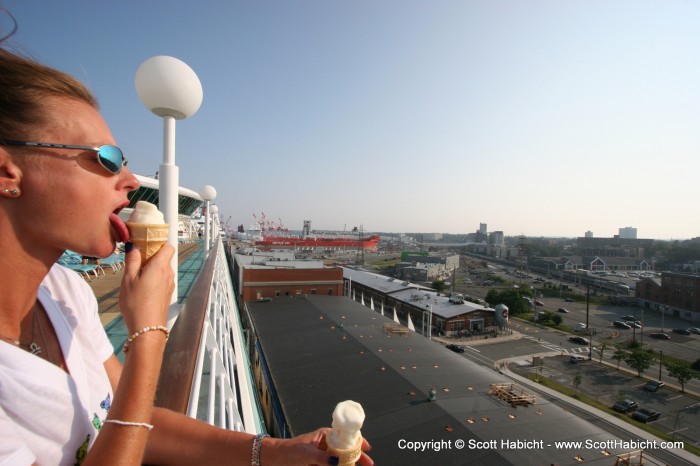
(62,184)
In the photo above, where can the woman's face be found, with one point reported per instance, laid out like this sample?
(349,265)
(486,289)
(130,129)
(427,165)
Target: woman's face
(67,196)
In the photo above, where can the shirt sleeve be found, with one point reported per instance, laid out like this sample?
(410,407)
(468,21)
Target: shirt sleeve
(80,298)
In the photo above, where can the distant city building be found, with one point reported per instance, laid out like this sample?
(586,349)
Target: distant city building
(420,267)
(676,295)
(588,234)
(432,236)
(481,235)
(627,233)
(497,238)
(613,247)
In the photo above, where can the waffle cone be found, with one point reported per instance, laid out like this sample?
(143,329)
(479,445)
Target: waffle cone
(349,456)
(148,238)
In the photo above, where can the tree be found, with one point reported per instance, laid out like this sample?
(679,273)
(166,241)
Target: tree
(682,372)
(639,360)
(619,355)
(438,285)
(511,298)
(578,378)
(600,349)
(557,319)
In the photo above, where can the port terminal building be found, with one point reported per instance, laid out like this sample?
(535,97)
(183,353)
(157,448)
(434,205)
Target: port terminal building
(414,305)
(278,273)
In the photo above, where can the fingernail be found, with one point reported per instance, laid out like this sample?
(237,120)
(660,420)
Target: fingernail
(333,460)
(128,246)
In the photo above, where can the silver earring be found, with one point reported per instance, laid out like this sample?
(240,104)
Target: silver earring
(14,192)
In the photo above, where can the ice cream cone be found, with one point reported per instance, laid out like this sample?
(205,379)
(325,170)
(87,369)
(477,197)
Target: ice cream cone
(148,238)
(347,457)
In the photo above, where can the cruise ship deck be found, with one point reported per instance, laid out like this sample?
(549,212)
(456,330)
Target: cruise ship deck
(106,289)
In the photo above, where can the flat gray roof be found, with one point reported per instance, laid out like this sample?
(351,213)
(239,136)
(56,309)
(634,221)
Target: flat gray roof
(315,363)
(410,293)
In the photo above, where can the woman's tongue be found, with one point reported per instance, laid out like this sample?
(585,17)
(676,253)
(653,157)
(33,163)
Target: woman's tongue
(121,234)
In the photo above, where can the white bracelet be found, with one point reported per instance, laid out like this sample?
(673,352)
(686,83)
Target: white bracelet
(136,334)
(128,423)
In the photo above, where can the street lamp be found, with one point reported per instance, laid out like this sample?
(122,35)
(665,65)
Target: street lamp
(214,226)
(170,89)
(208,193)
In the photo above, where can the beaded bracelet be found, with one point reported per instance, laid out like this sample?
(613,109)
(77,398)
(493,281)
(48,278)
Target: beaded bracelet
(161,328)
(128,423)
(257,445)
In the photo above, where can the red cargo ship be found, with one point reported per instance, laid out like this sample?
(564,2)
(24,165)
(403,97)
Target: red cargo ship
(272,235)
(325,242)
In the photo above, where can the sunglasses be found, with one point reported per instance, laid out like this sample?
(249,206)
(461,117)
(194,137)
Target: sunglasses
(110,157)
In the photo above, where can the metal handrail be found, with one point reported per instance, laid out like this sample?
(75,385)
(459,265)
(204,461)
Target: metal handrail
(206,373)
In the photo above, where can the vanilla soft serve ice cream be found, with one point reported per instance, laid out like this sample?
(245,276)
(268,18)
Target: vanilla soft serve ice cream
(345,439)
(145,212)
(147,229)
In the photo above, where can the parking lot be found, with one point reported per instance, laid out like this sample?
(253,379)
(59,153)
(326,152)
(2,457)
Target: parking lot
(606,384)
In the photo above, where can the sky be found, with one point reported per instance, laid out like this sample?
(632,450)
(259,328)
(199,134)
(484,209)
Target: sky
(538,118)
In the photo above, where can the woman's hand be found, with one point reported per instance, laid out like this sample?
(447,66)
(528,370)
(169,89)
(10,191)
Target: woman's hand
(305,450)
(146,291)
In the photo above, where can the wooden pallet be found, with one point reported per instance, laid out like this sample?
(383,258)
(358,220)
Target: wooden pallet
(395,328)
(512,394)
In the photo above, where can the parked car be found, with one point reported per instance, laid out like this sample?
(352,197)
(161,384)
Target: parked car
(694,330)
(577,358)
(563,310)
(579,340)
(569,300)
(660,336)
(653,385)
(682,331)
(632,318)
(634,324)
(646,415)
(625,406)
(621,324)
(539,303)
(455,348)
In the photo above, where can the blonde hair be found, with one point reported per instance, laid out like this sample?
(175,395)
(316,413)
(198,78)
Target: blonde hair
(24,86)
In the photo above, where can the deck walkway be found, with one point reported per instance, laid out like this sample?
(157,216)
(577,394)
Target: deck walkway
(106,289)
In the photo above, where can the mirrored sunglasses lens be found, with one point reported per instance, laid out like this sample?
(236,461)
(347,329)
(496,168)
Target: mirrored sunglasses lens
(111,158)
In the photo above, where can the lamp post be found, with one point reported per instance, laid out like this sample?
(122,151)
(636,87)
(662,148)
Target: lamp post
(214,225)
(170,89)
(208,193)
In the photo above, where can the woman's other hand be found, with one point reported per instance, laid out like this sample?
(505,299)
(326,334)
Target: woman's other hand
(306,449)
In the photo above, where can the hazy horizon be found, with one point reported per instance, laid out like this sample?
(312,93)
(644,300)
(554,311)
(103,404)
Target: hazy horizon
(542,118)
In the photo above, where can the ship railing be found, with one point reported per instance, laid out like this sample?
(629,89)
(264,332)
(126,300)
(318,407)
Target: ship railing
(206,373)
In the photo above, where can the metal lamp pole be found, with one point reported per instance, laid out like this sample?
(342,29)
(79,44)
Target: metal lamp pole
(208,193)
(170,89)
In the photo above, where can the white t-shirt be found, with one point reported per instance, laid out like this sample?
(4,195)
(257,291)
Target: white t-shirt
(48,416)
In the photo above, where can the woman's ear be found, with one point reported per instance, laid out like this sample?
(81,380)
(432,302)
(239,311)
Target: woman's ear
(10,173)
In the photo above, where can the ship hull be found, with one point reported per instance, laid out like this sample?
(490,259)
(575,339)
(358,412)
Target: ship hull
(322,243)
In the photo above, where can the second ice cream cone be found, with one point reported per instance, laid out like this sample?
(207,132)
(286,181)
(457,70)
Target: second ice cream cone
(347,457)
